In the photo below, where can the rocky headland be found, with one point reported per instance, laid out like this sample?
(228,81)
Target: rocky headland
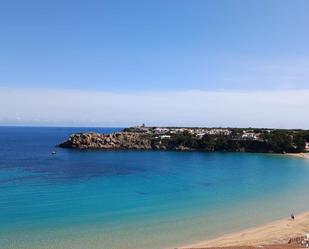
(114,141)
(121,140)
(187,139)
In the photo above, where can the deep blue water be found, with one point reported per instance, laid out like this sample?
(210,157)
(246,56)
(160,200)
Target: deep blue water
(134,199)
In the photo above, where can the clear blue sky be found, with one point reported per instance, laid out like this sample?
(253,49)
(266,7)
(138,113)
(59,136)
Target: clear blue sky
(155,45)
(169,62)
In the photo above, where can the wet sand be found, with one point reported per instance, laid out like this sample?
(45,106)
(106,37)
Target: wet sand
(301,155)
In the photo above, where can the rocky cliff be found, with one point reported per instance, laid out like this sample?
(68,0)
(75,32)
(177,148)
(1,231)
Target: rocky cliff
(116,141)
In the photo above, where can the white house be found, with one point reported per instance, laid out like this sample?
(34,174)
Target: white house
(160,130)
(249,135)
(165,137)
(307,146)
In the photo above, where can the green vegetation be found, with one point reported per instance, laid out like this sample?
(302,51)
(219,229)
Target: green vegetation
(276,141)
(226,139)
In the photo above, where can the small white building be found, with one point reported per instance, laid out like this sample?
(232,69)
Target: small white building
(306,146)
(214,131)
(249,135)
(161,130)
(165,137)
(200,135)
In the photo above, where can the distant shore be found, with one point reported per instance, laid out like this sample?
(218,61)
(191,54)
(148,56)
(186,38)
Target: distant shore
(277,232)
(301,155)
(194,139)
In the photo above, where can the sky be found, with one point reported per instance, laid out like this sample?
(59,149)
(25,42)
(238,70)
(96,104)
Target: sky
(171,62)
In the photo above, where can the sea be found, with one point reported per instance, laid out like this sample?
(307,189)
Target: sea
(135,199)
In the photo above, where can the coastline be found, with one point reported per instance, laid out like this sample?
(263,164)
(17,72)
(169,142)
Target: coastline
(192,139)
(304,155)
(276,232)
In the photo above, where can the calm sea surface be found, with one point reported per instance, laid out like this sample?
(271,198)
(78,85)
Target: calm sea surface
(133,199)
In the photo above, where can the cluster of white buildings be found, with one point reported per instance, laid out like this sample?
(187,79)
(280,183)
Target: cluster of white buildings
(199,132)
(166,132)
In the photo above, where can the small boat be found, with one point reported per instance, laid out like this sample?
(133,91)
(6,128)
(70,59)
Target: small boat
(54,152)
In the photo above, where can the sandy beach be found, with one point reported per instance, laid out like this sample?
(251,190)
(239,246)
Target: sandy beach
(278,232)
(301,155)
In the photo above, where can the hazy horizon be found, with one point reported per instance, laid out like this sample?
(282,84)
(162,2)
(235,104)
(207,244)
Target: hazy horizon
(271,109)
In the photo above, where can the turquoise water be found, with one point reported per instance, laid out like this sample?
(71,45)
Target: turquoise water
(134,199)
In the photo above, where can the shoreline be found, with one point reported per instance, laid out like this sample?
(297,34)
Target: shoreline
(276,232)
(304,155)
